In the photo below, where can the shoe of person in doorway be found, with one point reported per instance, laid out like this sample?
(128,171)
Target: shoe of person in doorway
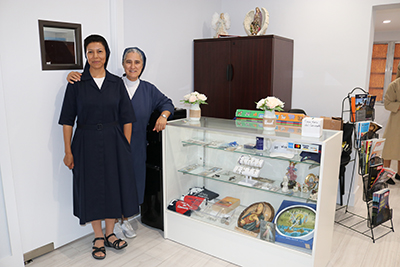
(127,229)
(397,177)
(118,231)
(390,181)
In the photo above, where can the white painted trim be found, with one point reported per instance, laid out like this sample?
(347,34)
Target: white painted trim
(6,177)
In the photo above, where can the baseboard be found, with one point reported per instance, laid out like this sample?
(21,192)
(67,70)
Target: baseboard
(38,252)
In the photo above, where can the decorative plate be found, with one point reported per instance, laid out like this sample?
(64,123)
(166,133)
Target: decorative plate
(251,217)
(296,221)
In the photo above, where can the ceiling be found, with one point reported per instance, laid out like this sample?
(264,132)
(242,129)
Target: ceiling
(392,14)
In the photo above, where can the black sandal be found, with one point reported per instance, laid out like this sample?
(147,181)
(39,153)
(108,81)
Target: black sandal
(116,243)
(98,249)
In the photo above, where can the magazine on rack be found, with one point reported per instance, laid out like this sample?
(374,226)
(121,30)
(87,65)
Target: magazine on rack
(362,107)
(370,153)
(376,151)
(384,175)
(362,128)
(380,206)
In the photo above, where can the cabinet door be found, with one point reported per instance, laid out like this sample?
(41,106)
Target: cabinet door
(282,70)
(211,59)
(251,60)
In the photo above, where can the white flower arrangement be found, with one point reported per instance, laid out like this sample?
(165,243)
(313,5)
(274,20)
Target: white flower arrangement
(194,98)
(270,103)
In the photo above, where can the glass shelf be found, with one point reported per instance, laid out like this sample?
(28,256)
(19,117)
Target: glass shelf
(242,150)
(262,184)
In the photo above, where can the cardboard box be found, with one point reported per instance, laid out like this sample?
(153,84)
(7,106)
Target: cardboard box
(333,123)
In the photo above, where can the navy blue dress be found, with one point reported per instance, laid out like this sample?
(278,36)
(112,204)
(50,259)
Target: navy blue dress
(102,174)
(146,99)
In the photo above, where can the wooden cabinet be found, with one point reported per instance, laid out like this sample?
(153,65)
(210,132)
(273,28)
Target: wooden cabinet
(236,72)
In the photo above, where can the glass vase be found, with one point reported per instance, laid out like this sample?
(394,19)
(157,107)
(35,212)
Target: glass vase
(269,120)
(194,112)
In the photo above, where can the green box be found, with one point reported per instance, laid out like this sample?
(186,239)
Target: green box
(249,114)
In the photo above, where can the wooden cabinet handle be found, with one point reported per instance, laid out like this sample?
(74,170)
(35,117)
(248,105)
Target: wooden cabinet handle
(229,72)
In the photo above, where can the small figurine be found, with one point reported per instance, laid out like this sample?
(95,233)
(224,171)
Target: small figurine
(291,171)
(297,187)
(256,22)
(255,26)
(285,183)
(221,23)
(305,188)
(314,195)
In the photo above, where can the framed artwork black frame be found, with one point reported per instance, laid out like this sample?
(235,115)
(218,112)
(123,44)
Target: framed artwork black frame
(60,45)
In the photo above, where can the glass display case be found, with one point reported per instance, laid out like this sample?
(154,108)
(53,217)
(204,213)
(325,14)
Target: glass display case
(271,195)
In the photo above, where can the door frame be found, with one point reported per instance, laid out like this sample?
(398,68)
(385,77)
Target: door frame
(15,257)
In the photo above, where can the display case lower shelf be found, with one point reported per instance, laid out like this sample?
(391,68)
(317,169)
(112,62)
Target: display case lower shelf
(231,245)
(263,184)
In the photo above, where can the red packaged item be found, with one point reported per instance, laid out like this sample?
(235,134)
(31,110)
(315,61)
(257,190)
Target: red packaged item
(180,207)
(195,202)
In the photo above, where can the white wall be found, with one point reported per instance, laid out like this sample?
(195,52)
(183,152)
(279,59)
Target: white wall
(387,36)
(165,30)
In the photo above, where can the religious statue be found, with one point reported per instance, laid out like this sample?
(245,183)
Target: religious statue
(256,22)
(221,23)
(255,26)
(291,171)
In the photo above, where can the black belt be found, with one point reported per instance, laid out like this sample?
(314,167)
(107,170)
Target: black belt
(98,127)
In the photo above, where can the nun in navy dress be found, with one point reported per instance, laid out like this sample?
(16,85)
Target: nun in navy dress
(145,98)
(99,154)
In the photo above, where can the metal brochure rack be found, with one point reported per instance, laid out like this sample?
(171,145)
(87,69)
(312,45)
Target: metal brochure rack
(352,220)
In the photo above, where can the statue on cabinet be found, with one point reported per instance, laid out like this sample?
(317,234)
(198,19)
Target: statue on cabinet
(256,22)
(255,26)
(221,23)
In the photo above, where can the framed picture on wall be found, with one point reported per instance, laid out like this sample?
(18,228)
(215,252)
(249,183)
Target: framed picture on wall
(60,45)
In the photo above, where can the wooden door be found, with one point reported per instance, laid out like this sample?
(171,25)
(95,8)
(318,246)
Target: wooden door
(251,60)
(211,60)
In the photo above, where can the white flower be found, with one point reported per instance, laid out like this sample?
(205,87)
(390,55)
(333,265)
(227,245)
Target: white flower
(261,103)
(202,97)
(270,103)
(194,98)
